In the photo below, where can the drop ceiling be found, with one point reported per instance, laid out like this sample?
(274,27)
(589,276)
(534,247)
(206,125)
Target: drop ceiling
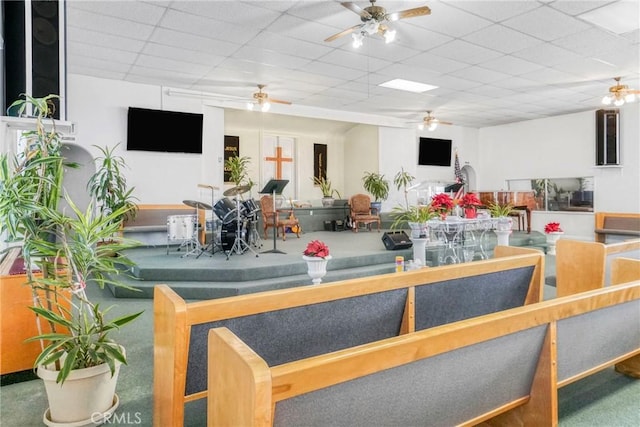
(494,62)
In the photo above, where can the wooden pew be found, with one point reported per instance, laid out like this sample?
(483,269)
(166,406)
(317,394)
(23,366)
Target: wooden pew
(582,266)
(431,377)
(616,224)
(297,323)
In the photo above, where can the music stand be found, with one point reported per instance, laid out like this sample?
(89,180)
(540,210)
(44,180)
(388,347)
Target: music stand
(272,187)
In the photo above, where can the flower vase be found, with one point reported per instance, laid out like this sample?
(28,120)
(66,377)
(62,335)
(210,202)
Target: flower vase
(552,239)
(470,213)
(316,267)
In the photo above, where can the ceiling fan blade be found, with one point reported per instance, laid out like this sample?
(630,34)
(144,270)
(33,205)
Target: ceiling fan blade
(357,9)
(444,123)
(342,33)
(409,13)
(278,101)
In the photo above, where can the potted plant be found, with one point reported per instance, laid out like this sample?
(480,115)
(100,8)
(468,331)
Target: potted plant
(376,185)
(75,331)
(402,181)
(316,255)
(238,169)
(416,218)
(470,203)
(503,223)
(327,191)
(108,186)
(553,232)
(442,203)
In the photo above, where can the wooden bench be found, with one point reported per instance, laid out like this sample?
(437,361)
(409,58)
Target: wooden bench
(298,323)
(150,222)
(582,266)
(498,369)
(616,224)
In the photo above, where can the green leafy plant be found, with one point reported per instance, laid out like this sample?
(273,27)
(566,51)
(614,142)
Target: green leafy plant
(325,187)
(418,214)
(108,185)
(402,180)
(498,210)
(64,247)
(376,185)
(238,168)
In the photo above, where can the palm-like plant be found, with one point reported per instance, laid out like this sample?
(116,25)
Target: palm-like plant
(402,180)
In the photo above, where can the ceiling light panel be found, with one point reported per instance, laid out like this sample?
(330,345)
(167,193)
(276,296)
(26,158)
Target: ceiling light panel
(407,85)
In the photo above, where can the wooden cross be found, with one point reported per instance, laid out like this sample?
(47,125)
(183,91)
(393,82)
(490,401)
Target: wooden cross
(279,160)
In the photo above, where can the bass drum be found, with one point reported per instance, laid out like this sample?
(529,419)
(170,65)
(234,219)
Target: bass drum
(228,236)
(226,210)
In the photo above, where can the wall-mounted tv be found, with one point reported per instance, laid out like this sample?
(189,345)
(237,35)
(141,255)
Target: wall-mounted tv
(434,152)
(165,131)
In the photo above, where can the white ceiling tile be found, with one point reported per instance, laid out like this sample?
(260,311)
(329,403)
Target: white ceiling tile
(96,38)
(587,68)
(355,60)
(619,17)
(331,70)
(499,37)
(302,29)
(577,7)
(100,52)
(179,77)
(97,63)
(412,35)
(279,43)
(193,42)
(495,11)
(108,24)
(451,21)
(550,76)
(234,12)
(149,61)
(207,27)
(416,74)
(547,54)
(435,63)
(462,51)
(192,56)
(510,64)
(546,23)
(592,41)
(377,48)
(451,82)
(135,11)
(96,72)
(270,58)
(479,74)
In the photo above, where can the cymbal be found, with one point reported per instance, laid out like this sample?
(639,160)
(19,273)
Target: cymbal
(240,189)
(196,204)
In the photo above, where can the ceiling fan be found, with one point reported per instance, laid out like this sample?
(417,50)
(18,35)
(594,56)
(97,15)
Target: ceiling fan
(263,100)
(619,94)
(375,21)
(431,123)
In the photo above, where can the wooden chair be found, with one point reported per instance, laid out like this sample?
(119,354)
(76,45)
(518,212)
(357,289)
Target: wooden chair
(287,220)
(360,210)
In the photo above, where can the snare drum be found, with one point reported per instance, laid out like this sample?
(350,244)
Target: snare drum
(181,227)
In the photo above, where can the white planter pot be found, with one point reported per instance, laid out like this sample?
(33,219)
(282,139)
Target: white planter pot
(86,398)
(419,230)
(316,267)
(327,202)
(552,239)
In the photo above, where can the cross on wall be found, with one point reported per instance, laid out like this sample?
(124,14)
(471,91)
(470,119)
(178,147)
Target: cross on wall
(279,159)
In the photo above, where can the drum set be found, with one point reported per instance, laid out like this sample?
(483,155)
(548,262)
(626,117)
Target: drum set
(235,230)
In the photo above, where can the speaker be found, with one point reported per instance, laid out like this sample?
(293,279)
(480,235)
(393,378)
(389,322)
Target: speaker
(34,51)
(607,137)
(396,240)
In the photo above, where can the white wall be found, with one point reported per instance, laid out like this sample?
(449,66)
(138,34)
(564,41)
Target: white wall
(361,155)
(563,147)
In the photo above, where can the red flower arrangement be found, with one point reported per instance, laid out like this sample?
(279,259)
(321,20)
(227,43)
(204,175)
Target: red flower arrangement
(553,227)
(316,248)
(469,200)
(442,202)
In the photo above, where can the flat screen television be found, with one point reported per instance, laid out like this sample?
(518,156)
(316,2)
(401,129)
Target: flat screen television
(434,152)
(164,131)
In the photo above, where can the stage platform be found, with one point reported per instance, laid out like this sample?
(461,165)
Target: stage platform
(213,276)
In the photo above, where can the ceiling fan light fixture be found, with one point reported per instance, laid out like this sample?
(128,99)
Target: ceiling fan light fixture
(371,27)
(265,107)
(357,40)
(433,126)
(619,102)
(630,97)
(606,100)
(389,35)
(421,126)
(250,106)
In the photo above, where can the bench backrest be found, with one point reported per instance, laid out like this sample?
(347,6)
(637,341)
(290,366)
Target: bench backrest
(297,323)
(156,214)
(431,377)
(582,266)
(622,223)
